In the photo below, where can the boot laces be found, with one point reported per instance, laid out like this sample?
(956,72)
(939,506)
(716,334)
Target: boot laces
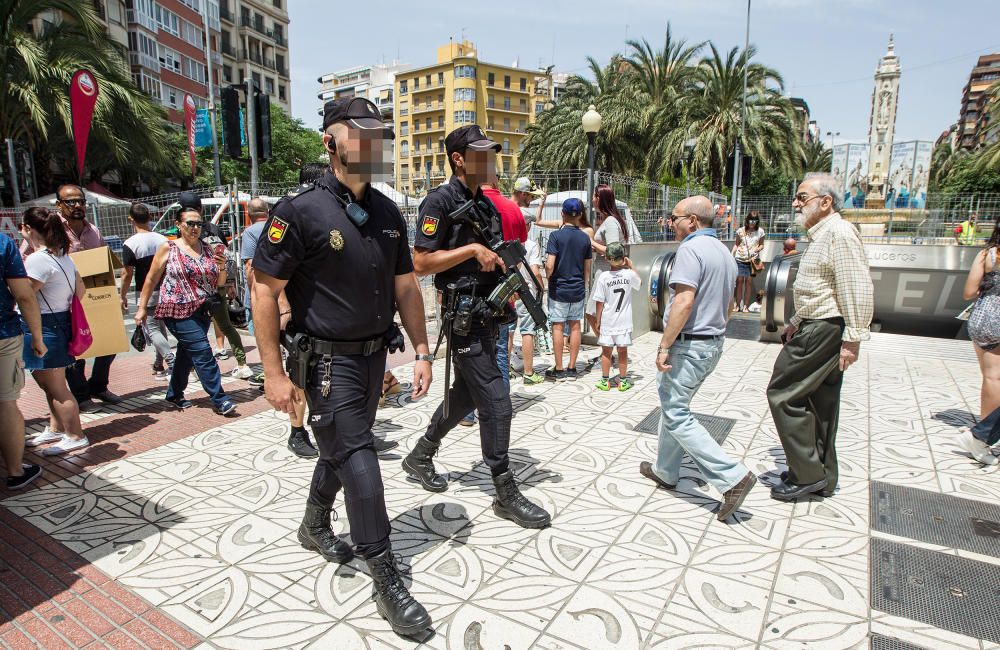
(390,579)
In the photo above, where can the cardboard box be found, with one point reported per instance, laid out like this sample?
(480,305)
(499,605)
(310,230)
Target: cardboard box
(101,302)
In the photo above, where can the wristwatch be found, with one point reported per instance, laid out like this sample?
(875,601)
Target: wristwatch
(425,357)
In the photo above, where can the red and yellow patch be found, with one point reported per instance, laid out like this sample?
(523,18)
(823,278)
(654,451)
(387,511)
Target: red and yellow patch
(276,231)
(429,226)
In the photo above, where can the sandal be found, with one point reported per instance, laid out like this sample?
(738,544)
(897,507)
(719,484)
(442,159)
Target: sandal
(391,387)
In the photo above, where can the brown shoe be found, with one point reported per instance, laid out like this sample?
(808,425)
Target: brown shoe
(733,498)
(646,469)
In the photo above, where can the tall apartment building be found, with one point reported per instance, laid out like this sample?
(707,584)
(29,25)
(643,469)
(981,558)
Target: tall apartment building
(255,45)
(974,116)
(166,50)
(373,82)
(460,89)
(800,109)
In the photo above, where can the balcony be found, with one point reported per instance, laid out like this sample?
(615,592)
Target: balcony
(282,70)
(437,106)
(99,9)
(252,56)
(509,109)
(279,39)
(228,49)
(144,61)
(424,89)
(226,15)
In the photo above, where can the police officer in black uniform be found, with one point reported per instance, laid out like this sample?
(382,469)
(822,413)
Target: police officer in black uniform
(339,250)
(456,255)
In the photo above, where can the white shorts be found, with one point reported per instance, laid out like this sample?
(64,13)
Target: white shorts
(615,340)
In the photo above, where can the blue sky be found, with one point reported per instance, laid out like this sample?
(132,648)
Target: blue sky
(827,51)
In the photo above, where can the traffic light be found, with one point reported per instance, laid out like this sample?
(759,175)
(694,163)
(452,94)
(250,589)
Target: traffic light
(231,133)
(262,115)
(745,170)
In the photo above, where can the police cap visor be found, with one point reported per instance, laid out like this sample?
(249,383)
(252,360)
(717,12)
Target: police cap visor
(356,112)
(469,137)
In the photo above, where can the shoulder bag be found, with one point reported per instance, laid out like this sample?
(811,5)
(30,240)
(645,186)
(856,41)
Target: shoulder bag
(81,337)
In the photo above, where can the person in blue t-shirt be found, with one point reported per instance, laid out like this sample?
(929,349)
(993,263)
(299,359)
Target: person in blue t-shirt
(15,287)
(567,266)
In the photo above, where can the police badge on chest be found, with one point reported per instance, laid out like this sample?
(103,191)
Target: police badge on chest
(336,240)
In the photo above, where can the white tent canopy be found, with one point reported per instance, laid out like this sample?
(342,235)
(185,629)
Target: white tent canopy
(93,198)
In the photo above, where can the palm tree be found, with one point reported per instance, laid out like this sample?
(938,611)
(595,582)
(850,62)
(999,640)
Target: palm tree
(712,116)
(816,157)
(128,132)
(666,73)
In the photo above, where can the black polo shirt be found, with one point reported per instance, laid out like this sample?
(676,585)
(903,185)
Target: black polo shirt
(435,231)
(341,278)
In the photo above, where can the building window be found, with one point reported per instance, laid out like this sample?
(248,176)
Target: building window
(168,21)
(465,71)
(490,103)
(404,128)
(520,126)
(416,147)
(539,107)
(524,84)
(522,105)
(269,85)
(506,103)
(440,121)
(281,92)
(416,125)
(256,78)
(192,34)
(404,148)
(506,81)
(416,83)
(490,79)
(227,73)
(427,80)
(506,145)
(402,88)
(465,94)
(440,78)
(428,124)
(465,117)
(279,63)
(276,3)
(404,107)
(506,124)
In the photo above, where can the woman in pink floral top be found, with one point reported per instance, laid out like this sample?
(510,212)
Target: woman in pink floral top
(190,274)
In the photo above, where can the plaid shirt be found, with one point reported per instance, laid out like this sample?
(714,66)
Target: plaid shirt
(833,278)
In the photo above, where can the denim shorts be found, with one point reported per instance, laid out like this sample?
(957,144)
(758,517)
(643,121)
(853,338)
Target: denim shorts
(742,269)
(525,323)
(56,332)
(564,312)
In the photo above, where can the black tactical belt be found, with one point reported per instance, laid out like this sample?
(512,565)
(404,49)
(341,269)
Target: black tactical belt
(323,347)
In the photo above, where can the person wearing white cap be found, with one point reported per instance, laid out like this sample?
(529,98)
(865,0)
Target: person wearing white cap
(525,191)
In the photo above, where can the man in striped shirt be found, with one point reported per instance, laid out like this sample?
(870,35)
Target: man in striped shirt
(833,311)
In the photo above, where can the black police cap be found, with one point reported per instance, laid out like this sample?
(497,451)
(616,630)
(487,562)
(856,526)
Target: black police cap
(469,137)
(356,112)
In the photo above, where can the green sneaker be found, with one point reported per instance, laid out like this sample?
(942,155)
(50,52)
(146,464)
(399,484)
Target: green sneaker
(624,384)
(603,385)
(532,379)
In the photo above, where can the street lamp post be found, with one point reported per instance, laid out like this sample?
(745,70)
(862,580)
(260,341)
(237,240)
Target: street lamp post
(688,157)
(833,138)
(591,125)
(738,181)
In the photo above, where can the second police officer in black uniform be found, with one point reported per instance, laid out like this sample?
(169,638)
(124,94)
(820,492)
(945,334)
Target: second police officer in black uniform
(339,250)
(456,255)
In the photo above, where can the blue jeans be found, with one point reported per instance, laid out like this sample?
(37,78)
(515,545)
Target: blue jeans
(503,361)
(691,362)
(988,429)
(194,350)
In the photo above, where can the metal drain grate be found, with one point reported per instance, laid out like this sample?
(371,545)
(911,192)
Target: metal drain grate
(946,591)
(718,427)
(881,642)
(936,518)
(744,328)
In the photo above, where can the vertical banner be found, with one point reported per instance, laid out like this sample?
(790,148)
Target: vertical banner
(838,164)
(189,115)
(202,129)
(857,176)
(83,93)
(921,174)
(900,177)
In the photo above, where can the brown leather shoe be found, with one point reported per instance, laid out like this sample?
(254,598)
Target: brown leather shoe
(733,498)
(646,469)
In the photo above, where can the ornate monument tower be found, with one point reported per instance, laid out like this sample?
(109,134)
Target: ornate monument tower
(882,123)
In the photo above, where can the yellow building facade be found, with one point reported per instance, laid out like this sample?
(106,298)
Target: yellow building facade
(459,89)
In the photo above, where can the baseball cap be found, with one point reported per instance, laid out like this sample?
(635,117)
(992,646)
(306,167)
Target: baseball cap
(572,206)
(189,200)
(525,184)
(356,112)
(469,137)
(615,251)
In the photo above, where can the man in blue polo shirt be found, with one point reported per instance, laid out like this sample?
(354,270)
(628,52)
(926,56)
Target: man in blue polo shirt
(15,287)
(694,330)
(567,267)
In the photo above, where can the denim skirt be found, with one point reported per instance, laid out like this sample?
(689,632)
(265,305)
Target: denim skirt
(56,332)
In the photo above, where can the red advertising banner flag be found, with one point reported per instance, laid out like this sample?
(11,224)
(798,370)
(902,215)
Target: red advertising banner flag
(190,111)
(83,93)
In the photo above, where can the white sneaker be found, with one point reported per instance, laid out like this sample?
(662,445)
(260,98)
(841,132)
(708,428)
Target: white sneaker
(65,445)
(241,372)
(47,435)
(978,449)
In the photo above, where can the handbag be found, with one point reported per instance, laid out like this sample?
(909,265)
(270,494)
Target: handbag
(81,337)
(139,339)
(756,266)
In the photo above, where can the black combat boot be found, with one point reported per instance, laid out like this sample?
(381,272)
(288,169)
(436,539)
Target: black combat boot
(420,465)
(406,616)
(315,535)
(298,444)
(510,504)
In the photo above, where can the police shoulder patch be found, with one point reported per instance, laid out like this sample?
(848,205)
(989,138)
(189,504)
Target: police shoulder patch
(276,230)
(429,226)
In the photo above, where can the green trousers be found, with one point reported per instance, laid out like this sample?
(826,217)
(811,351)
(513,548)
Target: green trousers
(804,395)
(221,317)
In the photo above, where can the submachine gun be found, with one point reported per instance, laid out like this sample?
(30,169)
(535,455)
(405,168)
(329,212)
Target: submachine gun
(460,305)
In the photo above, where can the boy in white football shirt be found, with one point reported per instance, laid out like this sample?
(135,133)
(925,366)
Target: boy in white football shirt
(613,294)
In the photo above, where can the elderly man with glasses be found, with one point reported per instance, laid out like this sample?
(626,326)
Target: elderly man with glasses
(833,313)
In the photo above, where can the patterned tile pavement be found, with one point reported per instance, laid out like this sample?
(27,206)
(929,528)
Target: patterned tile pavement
(189,541)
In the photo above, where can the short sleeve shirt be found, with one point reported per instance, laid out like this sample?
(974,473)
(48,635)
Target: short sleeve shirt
(138,252)
(614,289)
(90,237)
(341,277)
(571,247)
(514,226)
(436,231)
(12,268)
(704,263)
(250,238)
(58,276)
